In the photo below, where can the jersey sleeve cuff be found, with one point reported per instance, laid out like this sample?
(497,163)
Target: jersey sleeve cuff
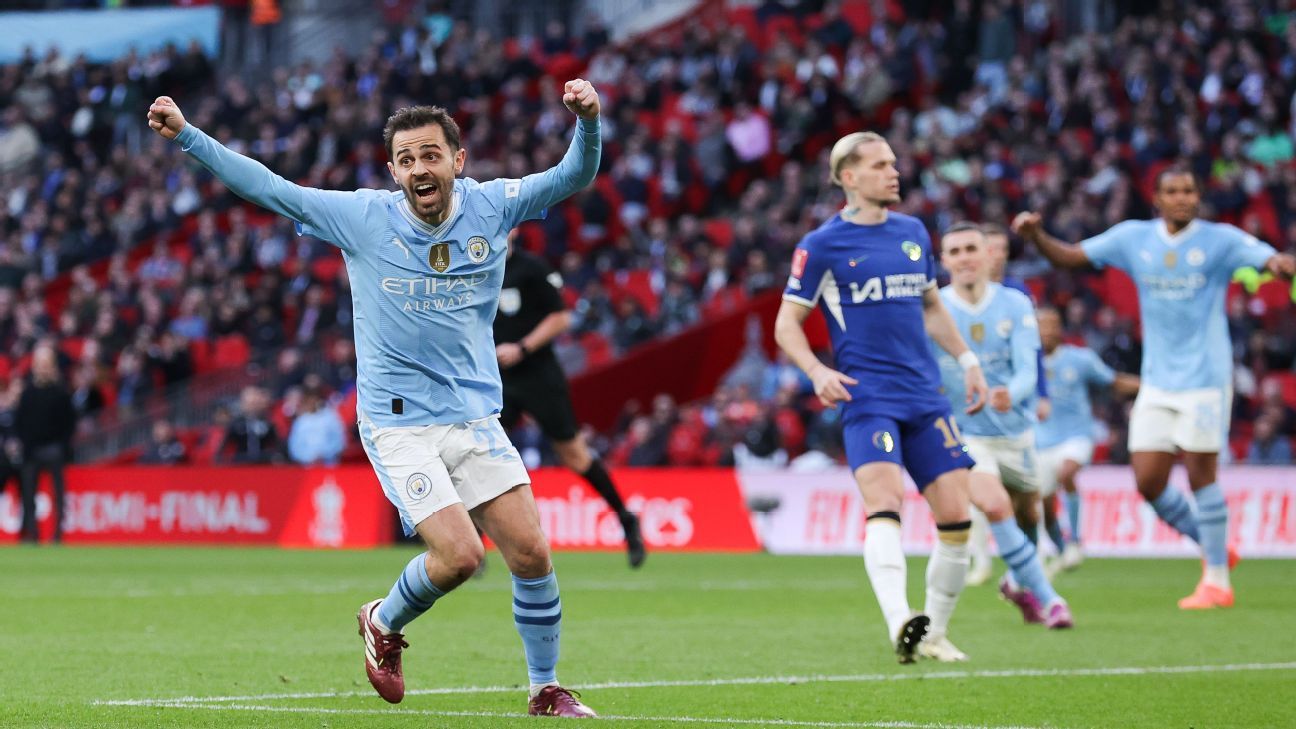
(799,300)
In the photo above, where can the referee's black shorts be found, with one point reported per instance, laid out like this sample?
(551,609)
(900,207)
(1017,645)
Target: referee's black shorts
(539,388)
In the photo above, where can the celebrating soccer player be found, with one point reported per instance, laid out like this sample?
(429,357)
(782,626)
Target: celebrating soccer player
(426,264)
(999,324)
(872,273)
(1181,267)
(1065,440)
(531,314)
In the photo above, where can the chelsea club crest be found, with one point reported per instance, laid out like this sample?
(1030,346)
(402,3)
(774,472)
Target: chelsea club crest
(478,249)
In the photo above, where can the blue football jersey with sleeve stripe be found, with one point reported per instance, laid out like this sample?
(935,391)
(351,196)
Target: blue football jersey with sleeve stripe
(1071,371)
(424,297)
(1182,280)
(870,280)
(1001,329)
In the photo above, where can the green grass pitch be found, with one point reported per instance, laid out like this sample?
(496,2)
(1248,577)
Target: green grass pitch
(154,638)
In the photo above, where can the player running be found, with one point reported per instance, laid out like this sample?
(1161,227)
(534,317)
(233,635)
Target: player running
(999,323)
(426,263)
(531,315)
(1065,440)
(1181,266)
(872,273)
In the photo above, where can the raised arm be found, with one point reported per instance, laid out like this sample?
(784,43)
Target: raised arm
(1030,226)
(942,329)
(578,166)
(246,177)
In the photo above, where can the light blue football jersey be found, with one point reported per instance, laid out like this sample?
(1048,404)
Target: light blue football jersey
(1001,329)
(425,298)
(1070,371)
(1181,280)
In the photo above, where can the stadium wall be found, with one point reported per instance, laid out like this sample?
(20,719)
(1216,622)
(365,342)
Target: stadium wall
(681,510)
(822,513)
(107,36)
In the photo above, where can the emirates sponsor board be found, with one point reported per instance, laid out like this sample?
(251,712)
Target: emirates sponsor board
(345,507)
(292,507)
(822,513)
(679,509)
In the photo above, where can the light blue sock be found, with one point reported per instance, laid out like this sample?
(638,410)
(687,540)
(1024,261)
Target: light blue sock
(1175,510)
(537,612)
(1212,519)
(1072,502)
(411,596)
(1023,561)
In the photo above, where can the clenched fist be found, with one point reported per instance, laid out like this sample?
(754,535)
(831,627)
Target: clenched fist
(579,96)
(164,117)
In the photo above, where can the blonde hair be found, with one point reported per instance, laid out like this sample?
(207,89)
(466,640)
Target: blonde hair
(846,151)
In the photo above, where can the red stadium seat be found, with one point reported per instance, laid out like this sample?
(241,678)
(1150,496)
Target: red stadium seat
(598,350)
(719,230)
(231,350)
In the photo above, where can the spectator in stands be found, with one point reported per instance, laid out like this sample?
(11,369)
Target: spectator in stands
(250,434)
(1268,448)
(10,446)
(317,436)
(44,422)
(165,448)
(1275,408)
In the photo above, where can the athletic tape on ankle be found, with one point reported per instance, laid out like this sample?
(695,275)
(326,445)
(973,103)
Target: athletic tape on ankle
(892,515)
(954,532)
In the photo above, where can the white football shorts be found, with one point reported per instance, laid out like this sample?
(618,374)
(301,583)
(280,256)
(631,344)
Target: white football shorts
(1079,449)
(1191,420)
(1011,459)
(425,468)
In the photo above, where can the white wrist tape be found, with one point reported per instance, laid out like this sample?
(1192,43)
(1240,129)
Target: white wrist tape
(968,360)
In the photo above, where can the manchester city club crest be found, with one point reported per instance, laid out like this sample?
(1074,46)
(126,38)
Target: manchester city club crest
(478,249)
(418,486)
(1004,328)
(1195,257)
(911,249)
(883,441)
(439,257)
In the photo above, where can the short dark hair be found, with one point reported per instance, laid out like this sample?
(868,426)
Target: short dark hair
(413,117)
(1176,170)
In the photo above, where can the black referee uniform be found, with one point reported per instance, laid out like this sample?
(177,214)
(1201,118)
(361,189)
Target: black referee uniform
(537,384)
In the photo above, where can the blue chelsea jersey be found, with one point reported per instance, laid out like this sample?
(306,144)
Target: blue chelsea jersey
(1182,280)
(1001,330)
(870,280)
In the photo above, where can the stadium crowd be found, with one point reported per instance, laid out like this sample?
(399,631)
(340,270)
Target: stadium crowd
(142,272)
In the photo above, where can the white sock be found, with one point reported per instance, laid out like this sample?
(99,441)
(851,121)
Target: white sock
(979,538)
(376,619)
(1217,576)
(536,688)
(884,561)
(946,573)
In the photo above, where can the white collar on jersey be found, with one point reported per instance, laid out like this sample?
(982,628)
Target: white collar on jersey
(1175,239)
(978,307)
(436,232)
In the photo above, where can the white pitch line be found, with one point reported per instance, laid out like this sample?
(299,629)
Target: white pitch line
(744,681)
(724,721)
